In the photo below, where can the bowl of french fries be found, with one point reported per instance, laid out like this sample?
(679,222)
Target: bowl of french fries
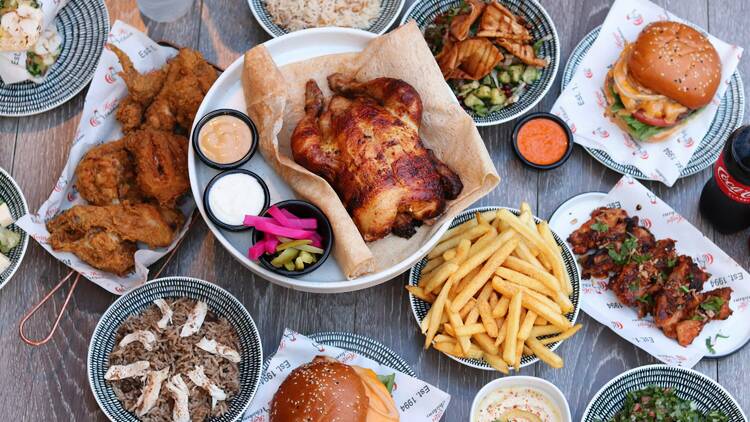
(500,290)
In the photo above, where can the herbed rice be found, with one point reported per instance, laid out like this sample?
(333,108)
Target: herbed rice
(294,15)
(181,355)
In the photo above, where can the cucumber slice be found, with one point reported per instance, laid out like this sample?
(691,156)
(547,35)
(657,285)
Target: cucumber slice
(530,75)
(516,70)
(6,219)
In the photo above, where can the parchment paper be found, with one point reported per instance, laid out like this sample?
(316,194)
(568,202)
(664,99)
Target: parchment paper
(13,64)
(98,125)
(582,103)
(664,222)
(415,400)
(275,101)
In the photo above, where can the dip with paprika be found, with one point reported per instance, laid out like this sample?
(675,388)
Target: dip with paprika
(542,140)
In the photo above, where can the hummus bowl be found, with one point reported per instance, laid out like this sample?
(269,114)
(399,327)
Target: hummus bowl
(540,395)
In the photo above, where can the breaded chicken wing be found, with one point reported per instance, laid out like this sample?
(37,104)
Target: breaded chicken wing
(142,89)
(160,164)
(106,175)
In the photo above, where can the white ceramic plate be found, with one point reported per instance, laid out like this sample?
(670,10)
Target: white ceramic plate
(227,93)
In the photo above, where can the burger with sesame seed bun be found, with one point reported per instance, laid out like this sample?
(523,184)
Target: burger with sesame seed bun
(326,390)
(661,80)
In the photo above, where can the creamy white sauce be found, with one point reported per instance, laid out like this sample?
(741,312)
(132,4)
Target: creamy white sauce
(497,403)
(235,195)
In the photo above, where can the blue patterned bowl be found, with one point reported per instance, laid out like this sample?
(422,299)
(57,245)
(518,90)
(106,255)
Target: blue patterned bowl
(12,195)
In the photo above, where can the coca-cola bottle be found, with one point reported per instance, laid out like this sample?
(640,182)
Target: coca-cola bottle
(725,200)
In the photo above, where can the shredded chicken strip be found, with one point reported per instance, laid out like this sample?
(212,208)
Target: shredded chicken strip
(180,393)
(150,393)
(195,320)
(135,369)
(145,337)
(213,347)
(166,313)
(199,378)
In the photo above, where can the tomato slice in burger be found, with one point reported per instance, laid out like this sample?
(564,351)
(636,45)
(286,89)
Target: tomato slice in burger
(651,121)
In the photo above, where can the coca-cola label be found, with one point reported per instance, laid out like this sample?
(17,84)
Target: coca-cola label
(729,185)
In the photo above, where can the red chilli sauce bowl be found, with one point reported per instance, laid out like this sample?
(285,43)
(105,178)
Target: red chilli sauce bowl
(566,133)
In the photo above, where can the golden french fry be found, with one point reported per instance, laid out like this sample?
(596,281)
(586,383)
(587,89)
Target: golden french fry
(467,308)
(494,298)
(542,352)
(527,351)
(546,233)
(505,286)
(485,343)
(448,348)
(485,313)
(495,253)
(501,308)
(497,362)
(440,276)
(468,330)
(455,319)
(420,293)
(540,321)
(474,352)
(463,227)
(425,324)
(469,235)
(501,334)
(462,284)
(523,252)
(511,336)
(519,353)
(528,323)
(443,338)
(448,329)
(525,281)
(449,254)
(431,265)
(544,330)
(473,316)
(533,271)
(437,313)
(562,336)
(533,303)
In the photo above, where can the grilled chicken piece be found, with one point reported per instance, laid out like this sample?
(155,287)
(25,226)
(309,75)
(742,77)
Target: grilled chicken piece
(469,59)
(461,24)
(499,22)
(366,145)
(604,226)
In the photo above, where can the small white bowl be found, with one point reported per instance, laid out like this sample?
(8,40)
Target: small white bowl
(544,386)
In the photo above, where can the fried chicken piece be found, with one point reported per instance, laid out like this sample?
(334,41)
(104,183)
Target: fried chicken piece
(146,223)
(105,175)
(524,52)
(142,89)
(105,236)
(461,24)
(499,22)
(189,77)
(160,164)
(469,59)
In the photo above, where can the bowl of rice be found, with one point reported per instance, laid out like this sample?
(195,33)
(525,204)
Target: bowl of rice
(279,17)
(176,347)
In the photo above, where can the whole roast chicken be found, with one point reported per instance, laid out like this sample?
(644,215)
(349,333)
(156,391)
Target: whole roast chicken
(366,145)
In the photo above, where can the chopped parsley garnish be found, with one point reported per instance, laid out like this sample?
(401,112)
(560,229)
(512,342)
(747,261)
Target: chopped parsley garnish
(685,289)
(626,251)
(645,298)
(600,227)
(671,262)
(698,317)
(713,304)
(640,259)
(662,404)
(710,346)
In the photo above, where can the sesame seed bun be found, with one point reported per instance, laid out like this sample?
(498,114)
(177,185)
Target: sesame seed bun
(677,61)
(322,390)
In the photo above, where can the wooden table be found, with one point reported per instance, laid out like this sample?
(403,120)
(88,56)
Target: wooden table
(49,382)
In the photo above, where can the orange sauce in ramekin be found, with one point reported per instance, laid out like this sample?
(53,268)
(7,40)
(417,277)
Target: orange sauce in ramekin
(542,141)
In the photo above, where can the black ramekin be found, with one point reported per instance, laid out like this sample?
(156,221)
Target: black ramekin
(549,116)
(207,206)
(301,209)
(225,112)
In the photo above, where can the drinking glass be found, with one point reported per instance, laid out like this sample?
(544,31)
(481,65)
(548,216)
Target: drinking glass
(164,10)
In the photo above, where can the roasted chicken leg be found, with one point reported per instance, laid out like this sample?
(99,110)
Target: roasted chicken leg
(366,145)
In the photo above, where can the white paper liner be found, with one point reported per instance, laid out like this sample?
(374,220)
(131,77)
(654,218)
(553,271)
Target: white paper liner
(415,400)
(13,65)
(582,103)
(98,125)
(654,214)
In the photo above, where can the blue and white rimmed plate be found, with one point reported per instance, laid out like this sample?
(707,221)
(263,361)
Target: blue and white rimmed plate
(420,307)
(84,27)
(389,11)
(11,194)
(361,345)
(424,12)
(688,384)
(728,118)
(219,301)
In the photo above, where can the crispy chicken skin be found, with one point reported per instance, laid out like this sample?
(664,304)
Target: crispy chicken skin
(648,274)
(142,88)
(160,163)
(105,236)
(105,175)
(366,145)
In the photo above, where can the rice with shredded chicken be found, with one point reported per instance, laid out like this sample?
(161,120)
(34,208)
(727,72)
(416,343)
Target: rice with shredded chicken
(181,355)
(294,15)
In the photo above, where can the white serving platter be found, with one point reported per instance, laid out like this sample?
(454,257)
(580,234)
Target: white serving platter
(227,93)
